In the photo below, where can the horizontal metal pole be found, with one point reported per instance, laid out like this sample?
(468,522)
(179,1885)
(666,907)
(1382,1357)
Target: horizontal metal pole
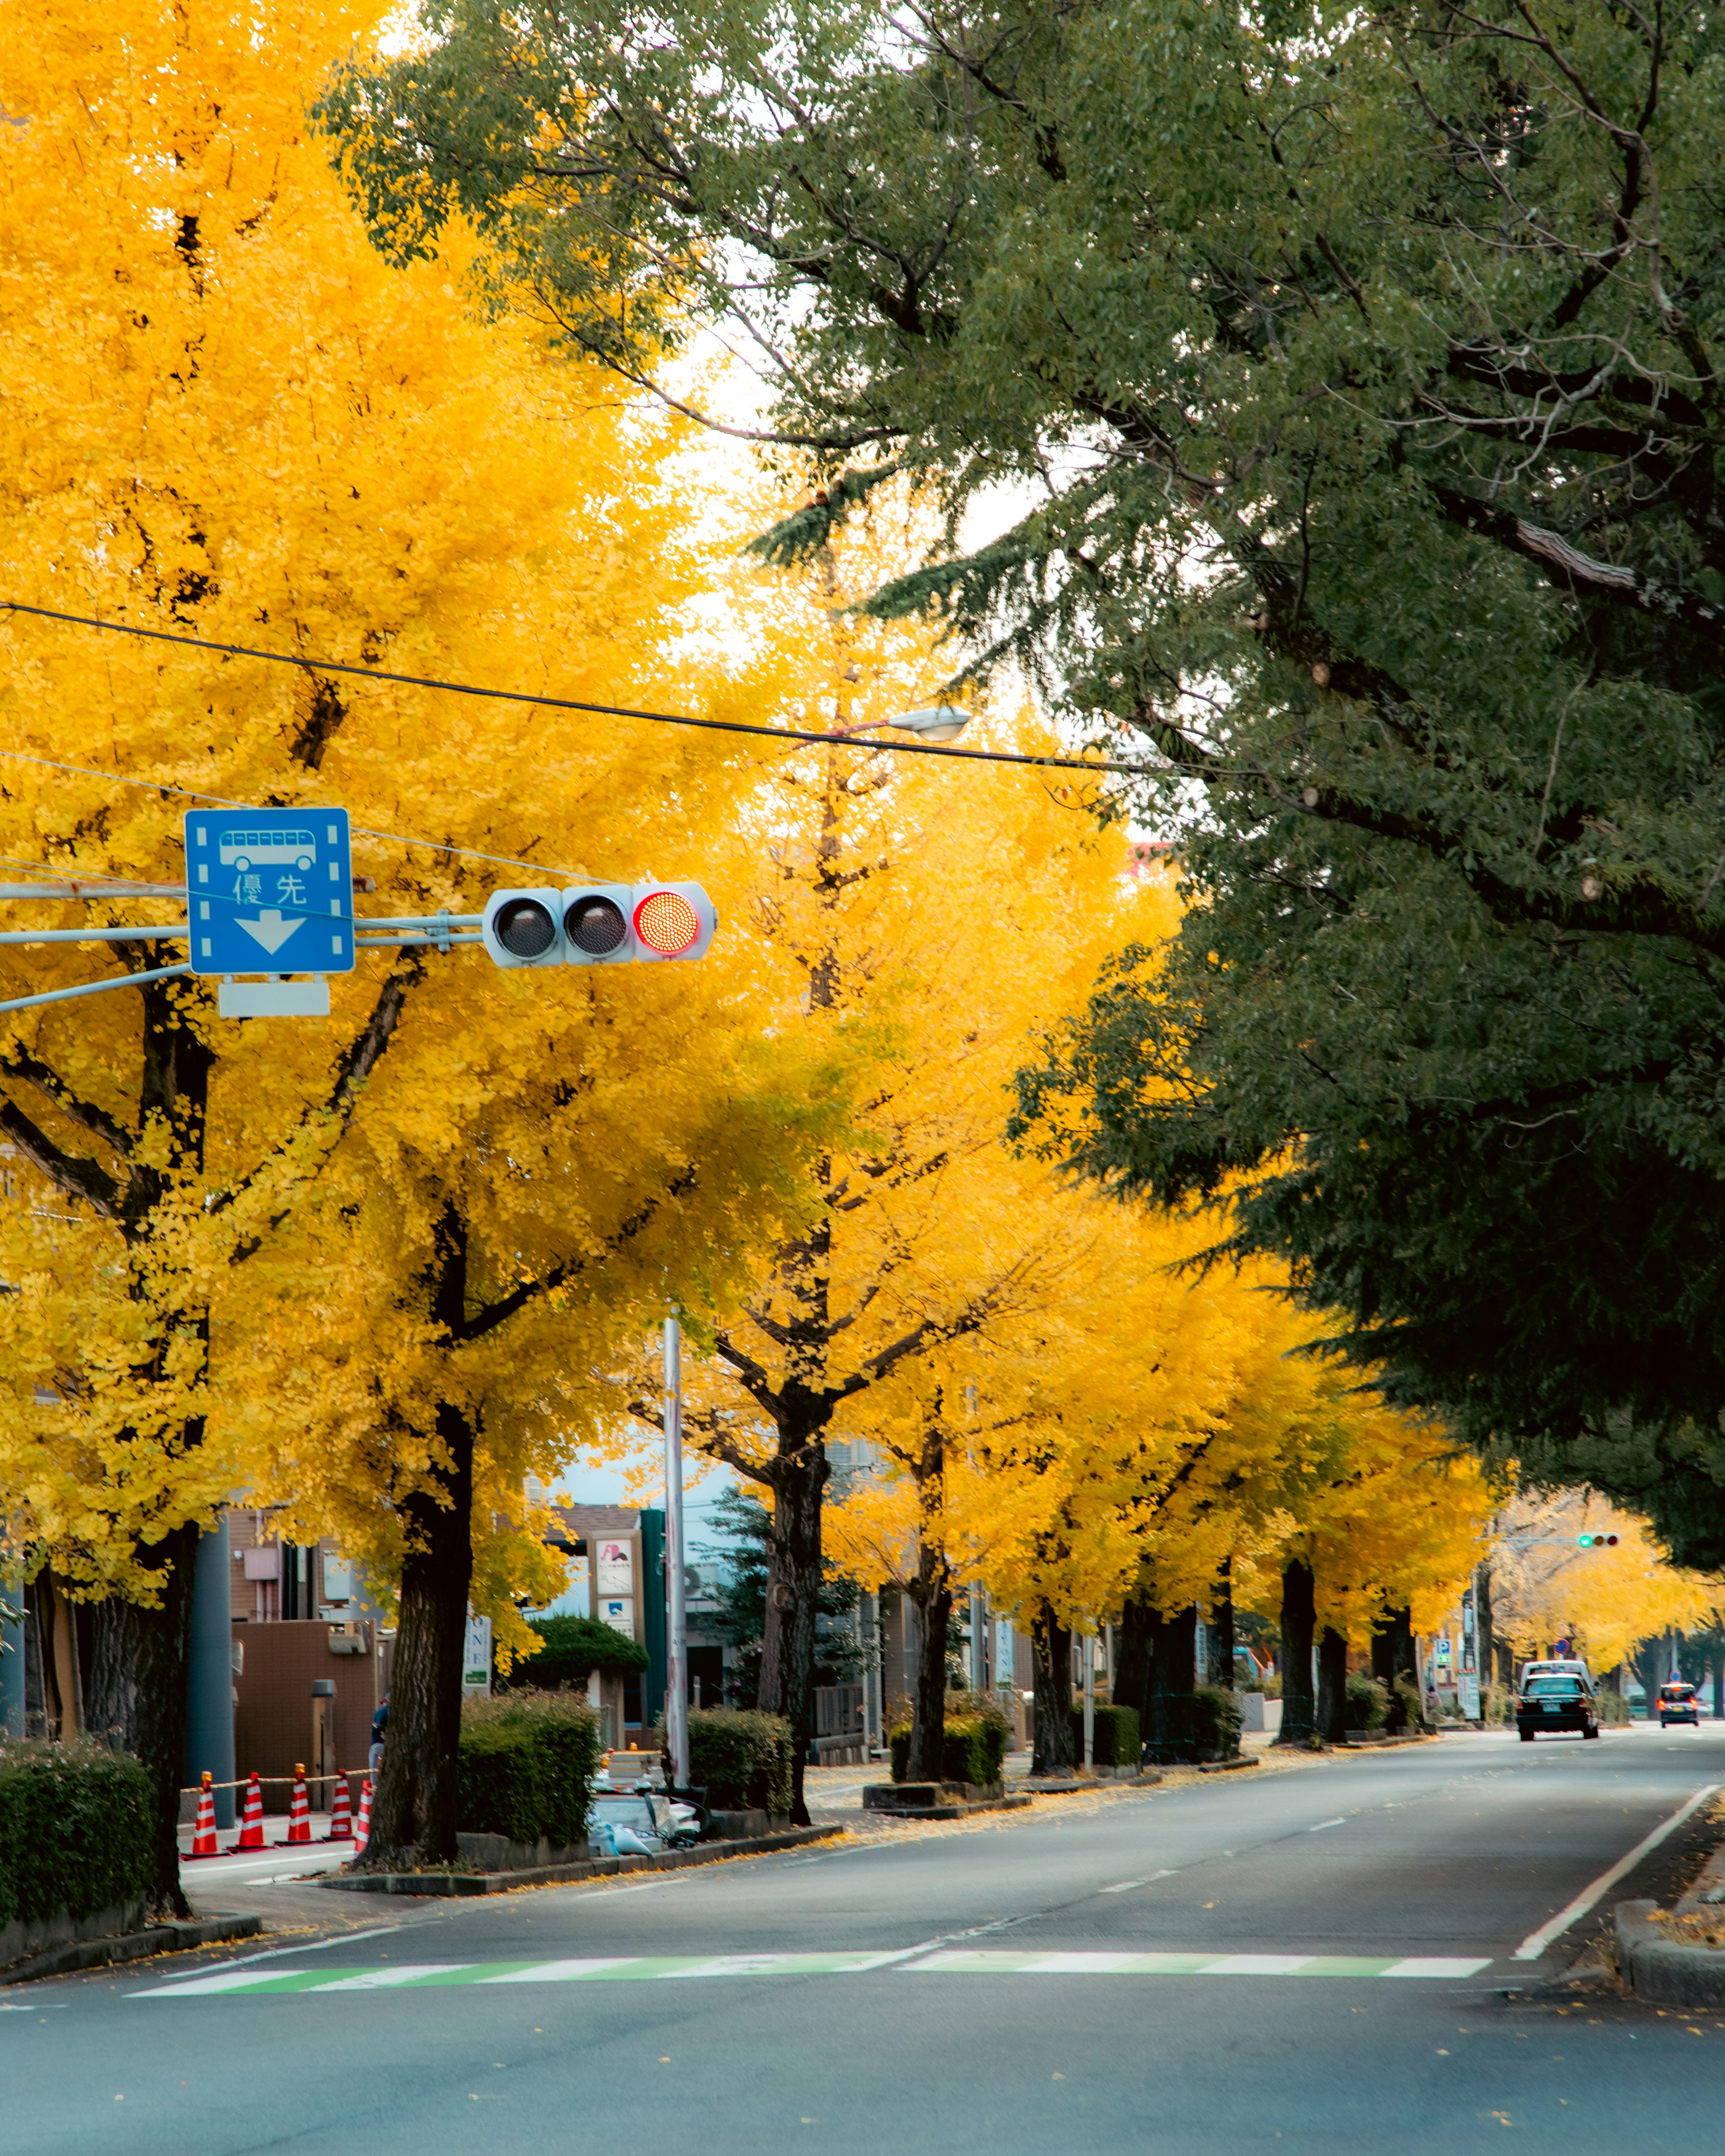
(179,928)
(431,925)
(411,941)
(418,921)
(95,988)
(88,892)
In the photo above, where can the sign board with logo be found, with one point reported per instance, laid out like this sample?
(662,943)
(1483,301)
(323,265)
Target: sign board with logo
(476,1656)
(616,1571)
(270,891)
(618,1612)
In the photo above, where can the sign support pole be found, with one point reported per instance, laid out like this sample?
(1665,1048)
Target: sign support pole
(676,1659)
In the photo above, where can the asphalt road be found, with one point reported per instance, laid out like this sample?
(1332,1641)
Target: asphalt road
(1316,1960)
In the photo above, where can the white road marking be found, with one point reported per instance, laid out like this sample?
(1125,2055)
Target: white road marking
(1256,1964)
(1436,1965)
(1126,1886)
(385,1979)
(560,1972)
(1323,1823)
(1535,1943)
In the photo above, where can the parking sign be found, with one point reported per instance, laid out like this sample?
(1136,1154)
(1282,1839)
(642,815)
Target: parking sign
(270,890)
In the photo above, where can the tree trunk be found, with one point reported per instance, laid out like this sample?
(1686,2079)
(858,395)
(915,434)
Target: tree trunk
(415,1808)
(1051,1708)
(136,1697)
(1332,1686)
(933,1596)
(793,1581)
(1171,1732)
(1393,1660)
(1299,1721)
(1484,1633)
(1136,1638)
(1220,1630)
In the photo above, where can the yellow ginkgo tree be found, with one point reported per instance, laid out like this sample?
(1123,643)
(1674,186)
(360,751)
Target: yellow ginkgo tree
(358,1262)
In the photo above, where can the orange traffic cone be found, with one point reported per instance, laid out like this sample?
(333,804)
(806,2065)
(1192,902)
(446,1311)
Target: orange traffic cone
(300,1810)
(341,1816)
(251,1826)
(203,1834)
(364,1833)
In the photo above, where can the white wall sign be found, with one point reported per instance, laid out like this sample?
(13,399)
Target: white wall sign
(616,1570)
(618,1612)
(476,1655)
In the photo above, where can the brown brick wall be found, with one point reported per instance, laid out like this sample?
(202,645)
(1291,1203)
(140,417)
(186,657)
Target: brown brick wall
(272,1722)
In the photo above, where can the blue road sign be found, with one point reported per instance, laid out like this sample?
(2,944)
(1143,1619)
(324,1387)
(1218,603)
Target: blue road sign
(270,890)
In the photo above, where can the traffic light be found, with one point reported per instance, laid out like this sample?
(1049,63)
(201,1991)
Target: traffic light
(1597,1542)
(605,924)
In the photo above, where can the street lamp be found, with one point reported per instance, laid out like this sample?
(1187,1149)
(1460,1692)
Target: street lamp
(942,722)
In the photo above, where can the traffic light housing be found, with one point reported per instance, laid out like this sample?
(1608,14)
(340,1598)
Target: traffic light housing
(1597,1542)
(524,928)
(598,925)
(605,924)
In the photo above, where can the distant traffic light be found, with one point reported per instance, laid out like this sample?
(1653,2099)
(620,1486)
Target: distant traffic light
(1597,1542)
(610,924)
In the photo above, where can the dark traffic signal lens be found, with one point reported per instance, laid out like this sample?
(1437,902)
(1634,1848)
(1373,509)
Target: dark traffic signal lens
(524,929)
(595,926)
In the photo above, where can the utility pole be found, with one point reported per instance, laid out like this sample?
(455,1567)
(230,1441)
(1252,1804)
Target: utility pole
(1090,1700)
(677,1654)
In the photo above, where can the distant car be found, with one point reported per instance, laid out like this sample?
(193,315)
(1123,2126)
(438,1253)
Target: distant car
(1677,1703)
(1553,1698)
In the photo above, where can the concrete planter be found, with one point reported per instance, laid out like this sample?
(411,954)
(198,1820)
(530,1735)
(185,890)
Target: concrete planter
(495,1852)
(1660,1969)
(22,1942)
(936,1800)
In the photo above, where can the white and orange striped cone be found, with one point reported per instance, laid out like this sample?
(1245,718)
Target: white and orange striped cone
(362,1833)
(251,1825)
(203,1834)
(340,1814)
(300,1810)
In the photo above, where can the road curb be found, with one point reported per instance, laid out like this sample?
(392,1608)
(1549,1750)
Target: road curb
(563,1875)
(1662,1970)
(133,1946)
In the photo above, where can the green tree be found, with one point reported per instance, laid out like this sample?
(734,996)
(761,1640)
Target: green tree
(1365,365)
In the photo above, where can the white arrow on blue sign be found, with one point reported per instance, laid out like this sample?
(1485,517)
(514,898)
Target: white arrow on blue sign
(270,890)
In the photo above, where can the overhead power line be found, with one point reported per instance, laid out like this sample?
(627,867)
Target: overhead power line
(552,703)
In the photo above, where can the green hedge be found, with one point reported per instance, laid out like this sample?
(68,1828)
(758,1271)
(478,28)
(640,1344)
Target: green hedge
(75,1830)
(1199,1723)
(1114,1739)
(573,1648)
(1366,1705)
(973,1749)
(741,1758)
(527,1763)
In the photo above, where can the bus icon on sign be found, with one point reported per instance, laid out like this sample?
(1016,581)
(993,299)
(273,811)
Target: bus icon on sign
(245,850)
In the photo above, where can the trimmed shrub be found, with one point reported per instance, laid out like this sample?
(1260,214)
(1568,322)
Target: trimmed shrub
(75,1830)
(1215,1720)
(1365,1703)
(1115,1738)
(973,1748)
(527,1763)
(742,1758)
(572,1647)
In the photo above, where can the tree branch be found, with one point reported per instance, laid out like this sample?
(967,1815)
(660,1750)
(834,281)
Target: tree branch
(69,1175)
